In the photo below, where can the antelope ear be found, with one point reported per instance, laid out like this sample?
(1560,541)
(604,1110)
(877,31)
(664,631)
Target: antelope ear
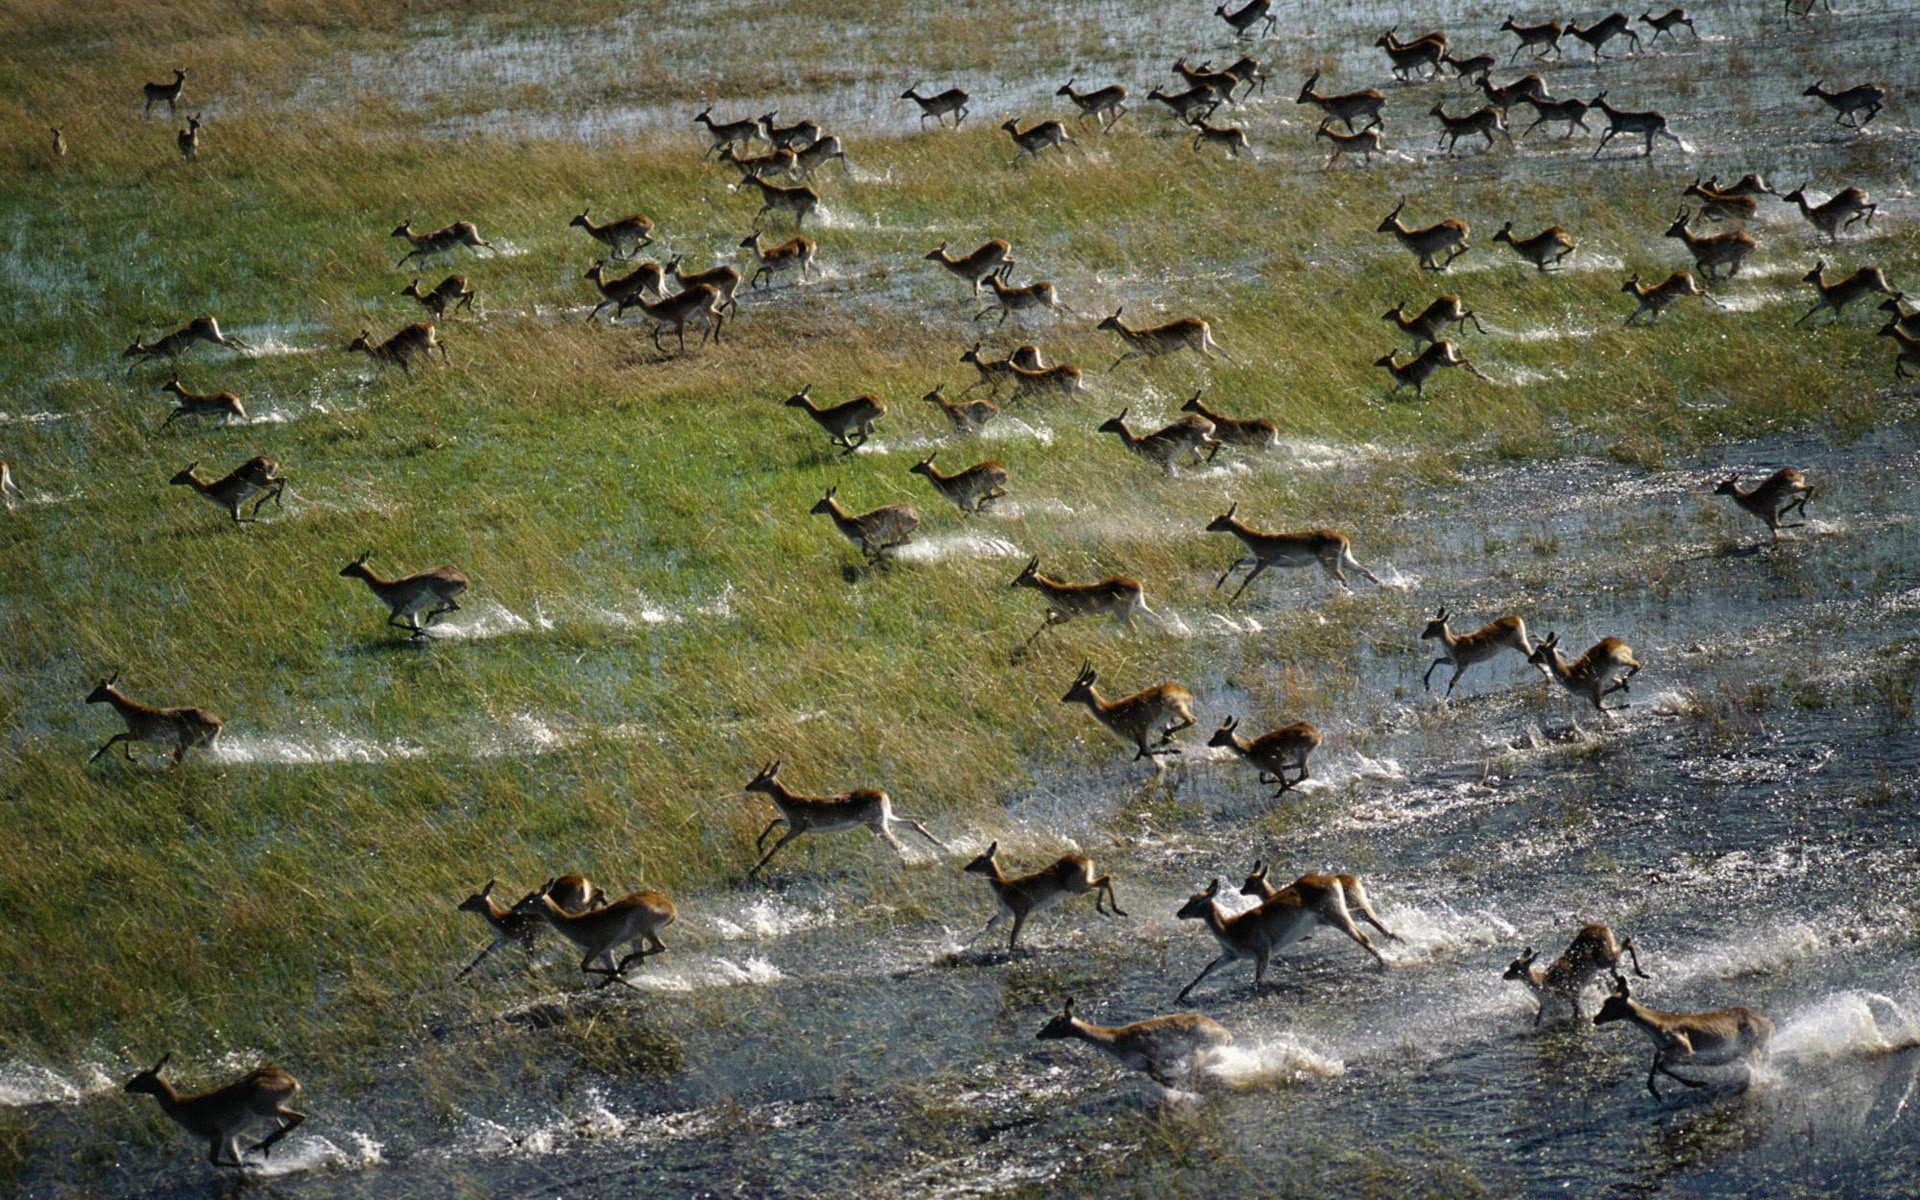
(164,1060)
(1213,887)
(488,890)
(993,849)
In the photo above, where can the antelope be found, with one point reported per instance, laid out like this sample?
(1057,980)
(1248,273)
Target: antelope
(994,372)
(1351,890)
(1666,23)
(59,144)
(1009,300)
(1164,446)
(1592,951)
(189,138)
(1110,101)
(1571,110)
(1470,68)
(1445,310)
(1153,341)
(1274,925)
(1604,30)
(1721,249)
(1483,121)
(647,277)
(460,233)
(1772,498)
(1416,371)
(1656,297)
(451,292)
(1846,207)
(700,300)
(1533,36)
(1222,83)
(1849,101)
(1504,97)
(1690,1039)
(875,532)
(794,252)
(1330,550)
(966,416)
(1449,235)
(1544,249)
(970,490)
(1909,344)
(513,923)
(1367,102)
(1272,752)
(1366,143)
(1255,12)
(1749,184)
(993,257)
(1035,138)
(10,493)
(796,136)
(258,474)
(1170,1048)
(1164,708)
(1837,296)
(407,596)
(1602,670)
(724,279)
(1188,104)
(1254,433)
(937,106)
(726,134)
(623,237)
(1061,380)
(798,200)
(1117,596)
(168,93)
(781,161)
(1906,322)
(220,1115)
(870,807)
(1649,124)
(1232,137)
(182,729)
(201,404)
(1247,70)
(629,921)
(1407,56)
(200,329)
(1464,650)
(845,421)
(817,154)
(1021,896)
(1718,206)
(417,338)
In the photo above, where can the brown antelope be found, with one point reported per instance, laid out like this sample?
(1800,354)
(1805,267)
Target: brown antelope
(1772,498)
(1232,138)
(10,493)
(780,161)
(1275,924)
(1571,110)
(220,1115)
(1164,709)
(1273,752)
(724,279)
(1544,249)
(1330,550)
(451,292)
(701,300)
(1907,322)
(418,338)
(200,329)
(1351,890)
(1366,144)
(844,422)
(1598,34)
(647,277)
(937,106)
(1037,137)
(1408,56)
(1221,83)
(1469,68)
(1445,310)
(258,475)
(1909,344)
(993,257)
(875,532)
(1109,102)
(1485,121)
(1464,650)
(1247,71)
(1599,672)
(970,490)
(1667,22)
(1749,184)
(1718,206)
(1649,124)
(1527,88)
(1449,236)
(966,416)
(1842,210)
(460,233)
(189,138)
(1655,298)
(1837,296)
(798,199)
(812,157)
(1187,105)
(1170,1049)
(771,260)
(1165,446)
(870,807)
(59,144)
(201,404)
(1719,250)
(995,371)
(1416,371)
(518,922)
(796,136)
(1021,896)
(1061,380)
(1592,951)
(1117,596)
(1153,341)
(726,134)
(1009,300)
(623,237)
(1253,433)
(408,596)
(1849,101)
(1255,12)
(633,919)
(180,729)
(1713,1039)
(166,93)
(1534,37)
(1367,102)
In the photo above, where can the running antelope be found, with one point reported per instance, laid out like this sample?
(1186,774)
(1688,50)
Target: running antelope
(1232,138)
(10,493)
(1275,924)
(970,490)
(633,919)
(1366,144)
(1330,550)
(165,93)
(1598,34)
(1254,433)
(1544,249)
(623,237)
(772,260)
(1667,22)
(451,292)
(1592,951)
(1153,341)
(399,350)
(724,278)
(780,161)
(1021,896)
(201,404)
(460,233)
(1367,102)
(1273,752)
(1837,296)
(966,416)
(408,596)
(220,1115)
(1482,645)
(647,277)
(1719,250)
(1165,446)
(812,157)
(1772,498)
(518,922)
(726,134)
(844,422)
(59,144)
(1416,371)
(1842,210)
(1527,88)
(1445,310)
(937,106)
(1170,1049)
(1465,69)
(1164,709)
(796,136)
(1485,121)
(1109,102)
(189,138)
(1408,56)
(1061,380)
(258,475)
(876,531)
(993,257)
(1713,1039)
(1117,596)
(1449,236)
(200,329)
(1571,110)
(1599,672)
(1906,322)
(1248,71)
(1648,123)
(1849,101)
(798,199)
(180,729)
(1718,206)
(995,371)
(1255,12)
(1656,297)
(1351,890)
(1221,83)
(1036,138)
(1534,37)
(1189,104)
(701,300)
(1009,300)
(1749,184)
(870,807)
(1909,344)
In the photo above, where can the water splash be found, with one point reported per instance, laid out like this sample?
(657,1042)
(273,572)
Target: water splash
(1272,1062)
(23,1084)
(311,750)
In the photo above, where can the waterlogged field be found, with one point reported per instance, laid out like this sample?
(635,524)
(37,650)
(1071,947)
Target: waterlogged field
(654,615)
